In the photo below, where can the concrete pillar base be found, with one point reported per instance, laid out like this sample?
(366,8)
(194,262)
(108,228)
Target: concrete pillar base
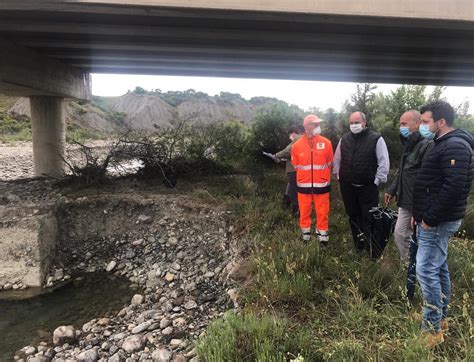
(49,135)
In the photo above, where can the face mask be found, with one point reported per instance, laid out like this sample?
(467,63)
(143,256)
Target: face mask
(356,128)
(425,132)
(405,132)
(317,131)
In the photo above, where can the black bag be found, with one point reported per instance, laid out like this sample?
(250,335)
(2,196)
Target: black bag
(382,225)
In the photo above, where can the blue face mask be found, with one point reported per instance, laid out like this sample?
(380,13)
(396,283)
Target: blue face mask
(425,132)
(405,132)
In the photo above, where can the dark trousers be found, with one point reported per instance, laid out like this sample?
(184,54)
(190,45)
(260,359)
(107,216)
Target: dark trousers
(357,202)
(292,193)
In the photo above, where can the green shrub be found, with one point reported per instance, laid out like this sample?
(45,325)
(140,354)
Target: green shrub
(74,132)
(16,128)
(269,131)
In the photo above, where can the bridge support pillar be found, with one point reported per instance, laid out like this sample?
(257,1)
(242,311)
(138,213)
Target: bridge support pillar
(49,135)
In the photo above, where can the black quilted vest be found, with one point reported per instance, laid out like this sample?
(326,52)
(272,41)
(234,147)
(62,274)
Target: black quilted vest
(358,157)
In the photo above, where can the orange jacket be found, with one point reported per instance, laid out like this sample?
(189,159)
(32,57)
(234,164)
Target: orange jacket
(312,159)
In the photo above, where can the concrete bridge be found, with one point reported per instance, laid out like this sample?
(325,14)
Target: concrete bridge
(49,48)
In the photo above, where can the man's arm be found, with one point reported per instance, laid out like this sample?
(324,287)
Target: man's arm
(285,153)
(392,189)
(383,162)
(336,162)
(455,170)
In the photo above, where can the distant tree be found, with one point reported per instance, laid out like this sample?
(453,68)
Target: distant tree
(331,128)
(437,94)
(139,90)
(362,100)
(463,119)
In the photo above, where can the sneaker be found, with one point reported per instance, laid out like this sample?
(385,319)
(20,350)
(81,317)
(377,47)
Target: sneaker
(323,238)
(430,339)
(306,237)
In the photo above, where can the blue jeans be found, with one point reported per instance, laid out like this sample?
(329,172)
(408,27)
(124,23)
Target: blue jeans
(432,272)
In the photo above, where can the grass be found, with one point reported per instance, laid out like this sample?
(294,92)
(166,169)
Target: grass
(305,304)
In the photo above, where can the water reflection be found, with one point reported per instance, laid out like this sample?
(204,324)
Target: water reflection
(32,318)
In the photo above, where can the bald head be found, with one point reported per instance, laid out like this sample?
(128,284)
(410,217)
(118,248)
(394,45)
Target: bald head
(411,119)
(357,118)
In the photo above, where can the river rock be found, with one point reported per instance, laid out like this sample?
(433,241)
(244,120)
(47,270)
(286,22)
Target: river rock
(137,242)
(179,323)
(141,327)
(161,355)
(165,322)
(58,274)
(179,358)
(167,331)
(169,277)
(190,305)
(30,350)
(138,299)
(90,355)
(39,358)
(64,334)
(115,358)
(133,344)
(145,219)
(103,322)
(175,343)
(111,266)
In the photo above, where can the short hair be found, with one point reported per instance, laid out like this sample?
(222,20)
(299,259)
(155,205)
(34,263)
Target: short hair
(416,116)
(297,128)
(440,110)
(362,114)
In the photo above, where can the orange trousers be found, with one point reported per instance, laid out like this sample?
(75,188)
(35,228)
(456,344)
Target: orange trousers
(321,204)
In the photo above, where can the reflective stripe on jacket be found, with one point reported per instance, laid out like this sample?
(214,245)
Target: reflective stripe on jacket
(312,159)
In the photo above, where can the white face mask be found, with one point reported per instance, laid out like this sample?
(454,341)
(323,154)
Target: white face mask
(317,131)
(356,128)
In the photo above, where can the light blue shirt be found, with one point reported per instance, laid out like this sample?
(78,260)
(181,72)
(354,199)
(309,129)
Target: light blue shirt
(383,162)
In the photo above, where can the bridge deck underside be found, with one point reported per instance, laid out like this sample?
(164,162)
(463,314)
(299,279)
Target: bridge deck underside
(197,42)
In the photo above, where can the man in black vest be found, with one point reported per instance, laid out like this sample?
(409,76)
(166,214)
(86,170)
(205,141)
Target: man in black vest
(361,164)
(439,204)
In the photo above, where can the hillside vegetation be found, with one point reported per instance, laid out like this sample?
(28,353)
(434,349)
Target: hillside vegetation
(138,110)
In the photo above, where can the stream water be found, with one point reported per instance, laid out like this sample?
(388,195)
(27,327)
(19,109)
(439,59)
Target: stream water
(30,316)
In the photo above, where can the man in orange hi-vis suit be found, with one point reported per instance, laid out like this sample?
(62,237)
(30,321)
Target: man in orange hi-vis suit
(312,158)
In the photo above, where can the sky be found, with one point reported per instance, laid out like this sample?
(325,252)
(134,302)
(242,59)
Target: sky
(304,94)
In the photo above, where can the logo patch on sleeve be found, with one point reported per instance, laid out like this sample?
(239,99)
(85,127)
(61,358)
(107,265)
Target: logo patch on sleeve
(320,146)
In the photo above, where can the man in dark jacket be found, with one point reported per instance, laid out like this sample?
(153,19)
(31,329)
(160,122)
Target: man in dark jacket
(361,164)
(402,187)
(439,204)
(285,155)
